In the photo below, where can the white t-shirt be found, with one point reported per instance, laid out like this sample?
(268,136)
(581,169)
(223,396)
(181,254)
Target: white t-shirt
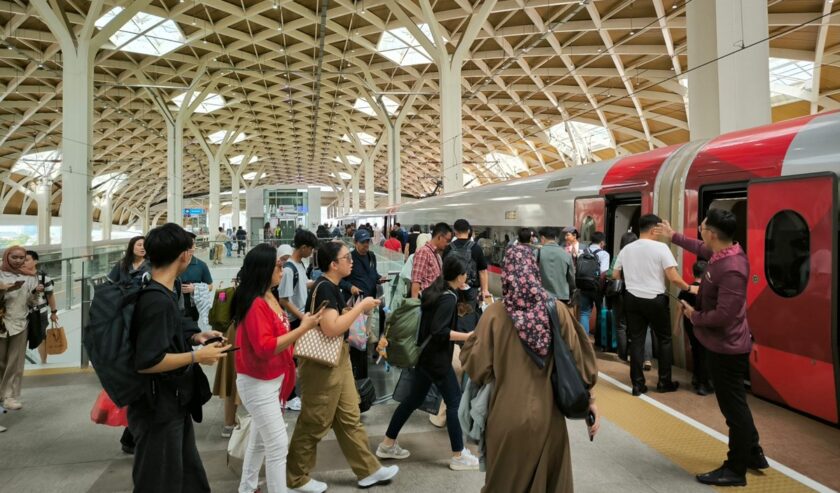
(643,263)
(287,289)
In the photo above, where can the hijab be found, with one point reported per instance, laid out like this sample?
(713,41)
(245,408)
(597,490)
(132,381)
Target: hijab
(7,265)
(524,299)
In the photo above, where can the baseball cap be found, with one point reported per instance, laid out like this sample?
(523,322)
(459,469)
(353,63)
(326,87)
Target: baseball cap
(362,235)
(284,250)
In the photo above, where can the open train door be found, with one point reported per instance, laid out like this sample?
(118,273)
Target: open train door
(791,294)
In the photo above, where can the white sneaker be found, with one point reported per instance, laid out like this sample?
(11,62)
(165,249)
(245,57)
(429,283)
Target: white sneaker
(392,452)
(380,476)
(466,462)
(227,431)
(12,404)
(2,429)
(294,404)
(313,486)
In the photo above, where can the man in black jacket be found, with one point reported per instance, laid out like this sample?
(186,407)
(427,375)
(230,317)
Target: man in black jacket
(165,456)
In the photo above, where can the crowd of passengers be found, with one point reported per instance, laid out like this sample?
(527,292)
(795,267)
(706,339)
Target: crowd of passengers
(506,346)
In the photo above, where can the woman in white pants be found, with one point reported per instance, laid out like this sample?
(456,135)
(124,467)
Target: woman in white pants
(264,366)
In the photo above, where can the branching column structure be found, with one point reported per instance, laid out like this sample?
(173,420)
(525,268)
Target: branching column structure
(78,49)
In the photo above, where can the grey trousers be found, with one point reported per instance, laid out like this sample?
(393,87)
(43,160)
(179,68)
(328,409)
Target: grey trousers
(12,358)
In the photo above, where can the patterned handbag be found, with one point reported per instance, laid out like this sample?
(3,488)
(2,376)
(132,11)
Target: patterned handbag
(315,346)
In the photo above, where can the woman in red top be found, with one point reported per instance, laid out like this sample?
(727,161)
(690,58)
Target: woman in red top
(264,366)
(393,242)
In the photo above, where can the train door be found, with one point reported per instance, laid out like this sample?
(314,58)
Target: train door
(623,214)
(590,216)
(791,292)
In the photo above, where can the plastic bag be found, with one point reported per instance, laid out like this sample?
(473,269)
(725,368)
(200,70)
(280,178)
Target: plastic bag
(105,412)
(357,335)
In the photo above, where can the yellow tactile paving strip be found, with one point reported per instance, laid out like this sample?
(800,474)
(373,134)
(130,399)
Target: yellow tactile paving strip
(683,444)
(34,372)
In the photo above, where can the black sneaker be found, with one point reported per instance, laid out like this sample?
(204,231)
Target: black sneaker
(723,476)
(703,389)
(663,387)
(758,461)
(637,391)
(128,449)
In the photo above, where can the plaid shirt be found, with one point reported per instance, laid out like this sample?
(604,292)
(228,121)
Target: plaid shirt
(427,266)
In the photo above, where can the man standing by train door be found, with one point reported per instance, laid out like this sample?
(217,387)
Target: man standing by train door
(720,324)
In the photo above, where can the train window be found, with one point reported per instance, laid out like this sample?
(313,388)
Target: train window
(587,227)
(787,254)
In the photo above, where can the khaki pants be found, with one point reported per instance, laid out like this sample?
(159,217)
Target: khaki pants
(328,400)
(440,419)
(12,357)
(218,253)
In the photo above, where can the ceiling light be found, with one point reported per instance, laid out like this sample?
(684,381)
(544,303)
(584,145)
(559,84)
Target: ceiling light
(274,6)
(632,33)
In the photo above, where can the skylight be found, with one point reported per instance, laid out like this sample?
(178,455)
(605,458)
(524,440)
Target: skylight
(252,175)
(366,138)
(211,103)
(402,48)
(342,175)
(144,33)
(470,181)
(363,106)
(218,137)
(108,182)
(579,140)
(504,165)
(44,164)
(790,80)
(350,159)
(238,159)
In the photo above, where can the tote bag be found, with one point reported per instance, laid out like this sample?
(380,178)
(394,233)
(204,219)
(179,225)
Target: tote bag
(317,347)
(56,340)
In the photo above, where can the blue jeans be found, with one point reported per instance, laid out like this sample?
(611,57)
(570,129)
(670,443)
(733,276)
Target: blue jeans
(451,392)
(586,300)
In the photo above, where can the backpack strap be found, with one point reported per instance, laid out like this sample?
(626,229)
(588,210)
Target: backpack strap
(429,337)
(295,275)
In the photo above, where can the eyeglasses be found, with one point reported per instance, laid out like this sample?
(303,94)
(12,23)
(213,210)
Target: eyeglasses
(348,257)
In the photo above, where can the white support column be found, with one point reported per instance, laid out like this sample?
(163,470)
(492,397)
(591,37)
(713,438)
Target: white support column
(106,216)
(78,50)
(450,127)
(369,185)
(234,199)
(174,173)
(732,93)
(214,200)
(354,186)
(43,193)
(146,217)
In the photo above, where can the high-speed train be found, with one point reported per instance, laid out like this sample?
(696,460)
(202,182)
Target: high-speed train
(780,180)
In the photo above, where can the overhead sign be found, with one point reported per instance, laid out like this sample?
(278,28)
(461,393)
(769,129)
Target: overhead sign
(286,208)
(302,209)
(194,212)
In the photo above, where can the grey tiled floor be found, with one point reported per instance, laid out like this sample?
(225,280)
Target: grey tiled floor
(51,446)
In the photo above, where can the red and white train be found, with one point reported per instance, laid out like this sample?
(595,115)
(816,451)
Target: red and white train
(780,180)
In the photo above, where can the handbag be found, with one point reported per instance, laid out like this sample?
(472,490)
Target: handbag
(36,326)
(570,394)
(56,340)
(317,347)
(105,412)
(431,403)
(615,287)
(239,438)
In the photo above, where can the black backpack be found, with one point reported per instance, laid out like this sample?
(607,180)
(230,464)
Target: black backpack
(108,342)
(295,275)
(588,271)
(465,253)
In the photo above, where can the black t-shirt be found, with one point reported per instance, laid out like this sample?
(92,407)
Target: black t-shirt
(438,321)
(689,297)
(477,256)
(158,328)
(412,242)
(325,290)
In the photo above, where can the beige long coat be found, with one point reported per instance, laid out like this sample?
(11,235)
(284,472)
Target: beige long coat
(526,440)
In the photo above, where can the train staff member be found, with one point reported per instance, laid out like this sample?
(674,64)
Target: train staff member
(646,264)
(720,324)
(427,261)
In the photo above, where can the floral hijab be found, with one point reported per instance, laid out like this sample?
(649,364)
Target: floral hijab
(524,299)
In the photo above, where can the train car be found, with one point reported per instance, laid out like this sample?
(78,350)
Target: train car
(780,180)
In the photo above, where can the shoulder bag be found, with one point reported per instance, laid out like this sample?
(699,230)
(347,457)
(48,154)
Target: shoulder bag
(570,393)
(317,347)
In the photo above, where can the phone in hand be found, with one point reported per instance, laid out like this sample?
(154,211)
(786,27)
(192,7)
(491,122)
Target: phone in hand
(231,349)
(590,422)
(383,280)
(213,340)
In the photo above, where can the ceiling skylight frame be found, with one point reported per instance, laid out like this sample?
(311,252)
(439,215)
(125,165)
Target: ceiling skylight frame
(237,160)
(145,33)
(211,102)
(40,164)
(218,137)
(365,107)
(402,48)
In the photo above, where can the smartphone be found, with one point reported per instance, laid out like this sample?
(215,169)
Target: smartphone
(383,281)
(590,422)
(322,306)
(213,340)
(19,283)
(230,350)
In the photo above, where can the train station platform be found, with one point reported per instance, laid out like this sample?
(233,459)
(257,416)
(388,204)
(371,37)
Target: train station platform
(650,444)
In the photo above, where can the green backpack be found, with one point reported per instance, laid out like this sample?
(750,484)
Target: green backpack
(401,332)
(220,313)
